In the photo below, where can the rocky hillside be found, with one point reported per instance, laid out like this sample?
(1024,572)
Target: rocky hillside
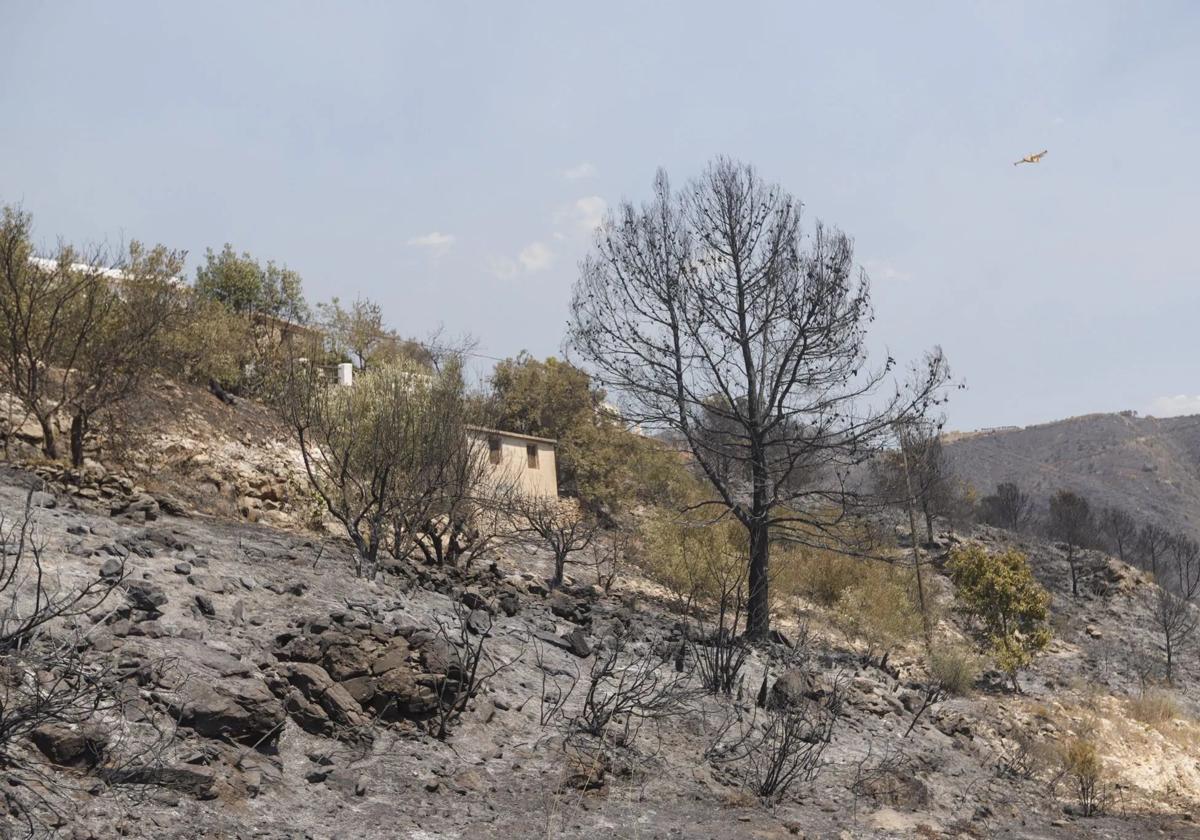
(299,701)
(1149,466)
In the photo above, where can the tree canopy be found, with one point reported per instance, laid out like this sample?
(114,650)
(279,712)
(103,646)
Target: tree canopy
(709,312)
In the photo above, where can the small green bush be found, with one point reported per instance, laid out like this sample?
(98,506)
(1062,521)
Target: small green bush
(878,608)
(1082,765)
(821,576)
(953,668)
(999,590)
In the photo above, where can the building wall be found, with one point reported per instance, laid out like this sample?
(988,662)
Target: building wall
(541,480)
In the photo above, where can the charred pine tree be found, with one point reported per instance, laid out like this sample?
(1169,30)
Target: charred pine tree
(709,313)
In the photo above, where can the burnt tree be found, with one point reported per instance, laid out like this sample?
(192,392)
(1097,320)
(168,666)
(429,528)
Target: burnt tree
(709,314)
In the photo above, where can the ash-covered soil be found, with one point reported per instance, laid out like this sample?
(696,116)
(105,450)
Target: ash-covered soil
(306,702)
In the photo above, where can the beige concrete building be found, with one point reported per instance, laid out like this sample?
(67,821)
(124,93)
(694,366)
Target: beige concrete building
(526,459)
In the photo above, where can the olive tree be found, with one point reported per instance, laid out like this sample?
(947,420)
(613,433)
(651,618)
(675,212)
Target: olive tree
(379,452)
(79,332)
(709,313)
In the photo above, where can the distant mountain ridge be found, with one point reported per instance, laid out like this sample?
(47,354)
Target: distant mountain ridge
(1147,465)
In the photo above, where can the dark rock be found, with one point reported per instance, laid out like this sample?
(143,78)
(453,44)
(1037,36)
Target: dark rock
(170,504)
(578,643)
(141,508)
(438,657)
(345,661)
(195,780)
(552,639)
(479,622)
(237,709)
(183,568)
(149,629)
(510,603)
(205,605)
(209,583)
(317,687)
(573,610)
(795,687)
(144,595)
(300,649)
(112,568)
(399,694)
(473,600)
(396,656)
(362,689)
(114,549)
(82,747)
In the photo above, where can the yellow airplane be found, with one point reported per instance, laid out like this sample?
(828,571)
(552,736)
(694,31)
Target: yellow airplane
(1031,158)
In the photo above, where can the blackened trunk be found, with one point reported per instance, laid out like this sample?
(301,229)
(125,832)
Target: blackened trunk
(758,614)
(79,426)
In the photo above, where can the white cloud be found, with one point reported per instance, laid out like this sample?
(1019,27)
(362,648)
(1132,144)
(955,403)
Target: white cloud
(589,212)
(435,239)
(578,173)
(535,257)
(885,271)
(1175,406)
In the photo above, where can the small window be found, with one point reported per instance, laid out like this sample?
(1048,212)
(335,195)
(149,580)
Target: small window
(494,448)
(531,455)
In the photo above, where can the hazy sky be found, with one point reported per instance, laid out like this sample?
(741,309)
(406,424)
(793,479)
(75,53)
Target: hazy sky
(447,159)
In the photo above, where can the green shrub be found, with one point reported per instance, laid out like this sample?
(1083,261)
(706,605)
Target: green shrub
(953,668)
(697,560)
(1083,767)
(820,576)
(878,608)
(1012,608)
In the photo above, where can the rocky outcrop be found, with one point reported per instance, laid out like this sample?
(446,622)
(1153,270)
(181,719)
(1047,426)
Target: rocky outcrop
(336,674)
(238,709)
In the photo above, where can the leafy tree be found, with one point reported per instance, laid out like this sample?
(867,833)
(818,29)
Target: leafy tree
(612,469)
(381,452)
(1071,522)
(79,333)
(712,315)
(357,332)
(248,287)
(605,465)
(208,342)
(127,339)
(879,608)
(692,555)
(48,308)
(1009,507)
(545,398)
(1000,591)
